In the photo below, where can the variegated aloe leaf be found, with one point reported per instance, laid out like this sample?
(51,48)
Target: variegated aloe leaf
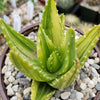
(67,50)
(17,41)
(32,69)
(86,43)
(51,23)
(66,79)
(41,91)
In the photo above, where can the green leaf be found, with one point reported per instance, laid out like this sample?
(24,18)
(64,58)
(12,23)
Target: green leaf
(33,69)
(42,48)
(51,23)
(53,62)
(66,79)
(17,41)
(41,91)
(62,18)
(67,50)
(86,43)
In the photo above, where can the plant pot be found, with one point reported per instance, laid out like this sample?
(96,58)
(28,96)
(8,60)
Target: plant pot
(26,31)
(89,13)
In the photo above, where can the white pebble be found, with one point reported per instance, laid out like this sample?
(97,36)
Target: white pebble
(79,95)
(9,86)
(19,96)
(15,82)
(10,92)
(6,81)
(91,61)
(65,95)
(11,79)
(7,74)
(53,98)
(86,80)
(97,60)
(27,90)
(4,69)
(95,72)
(14,98)
(91,84)
(15,88)
(92,95)
(95,80)
(83,86)
(86,64)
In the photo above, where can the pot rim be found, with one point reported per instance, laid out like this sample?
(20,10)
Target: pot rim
(26,31)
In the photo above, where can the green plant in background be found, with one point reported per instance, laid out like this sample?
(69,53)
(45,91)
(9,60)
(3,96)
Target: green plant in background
(3,5)
(59,58)
(85,27)
(65,4)
(72,20)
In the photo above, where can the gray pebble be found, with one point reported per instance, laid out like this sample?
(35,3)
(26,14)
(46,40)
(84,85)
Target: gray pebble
(73,96)
(19,75)
(23,81)
(98,86)
(26,97)
(83,75)
(96,66)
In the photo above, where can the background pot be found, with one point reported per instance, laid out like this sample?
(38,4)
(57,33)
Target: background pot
(26,31)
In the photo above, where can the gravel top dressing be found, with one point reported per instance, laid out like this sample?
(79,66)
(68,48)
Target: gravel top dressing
(85,87)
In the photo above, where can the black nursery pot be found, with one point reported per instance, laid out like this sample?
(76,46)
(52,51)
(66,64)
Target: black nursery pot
(26,31)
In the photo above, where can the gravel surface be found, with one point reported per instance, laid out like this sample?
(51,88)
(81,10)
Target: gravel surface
(18,86)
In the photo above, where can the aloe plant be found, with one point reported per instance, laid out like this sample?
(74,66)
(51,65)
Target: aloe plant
(59,58)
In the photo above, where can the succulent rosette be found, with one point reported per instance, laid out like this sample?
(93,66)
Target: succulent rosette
(59,57)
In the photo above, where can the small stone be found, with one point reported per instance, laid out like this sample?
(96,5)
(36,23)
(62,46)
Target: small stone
(9,86)
(95,80)
(95,72)
(10,91)
(79,95)
(6,81)
(19,96)
(27,97)
(15,82)
(14,98)
(57,99)
(65,95)
(91,61)
(6,19)
(53,98)
(95,54)
(13,3)
(27,90)
(97,60)
(83,86)
(11,79)
(15,88)
(11,68)
(19,75)
(96,66)
(17,23)
(23,81)
(7,74)
(83,75)
(91,84)
(98,86)
(86,70)
(57,94)
(92,95)
(4,69)
(14,73)
(86,64)
(73,96)
(86,80)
